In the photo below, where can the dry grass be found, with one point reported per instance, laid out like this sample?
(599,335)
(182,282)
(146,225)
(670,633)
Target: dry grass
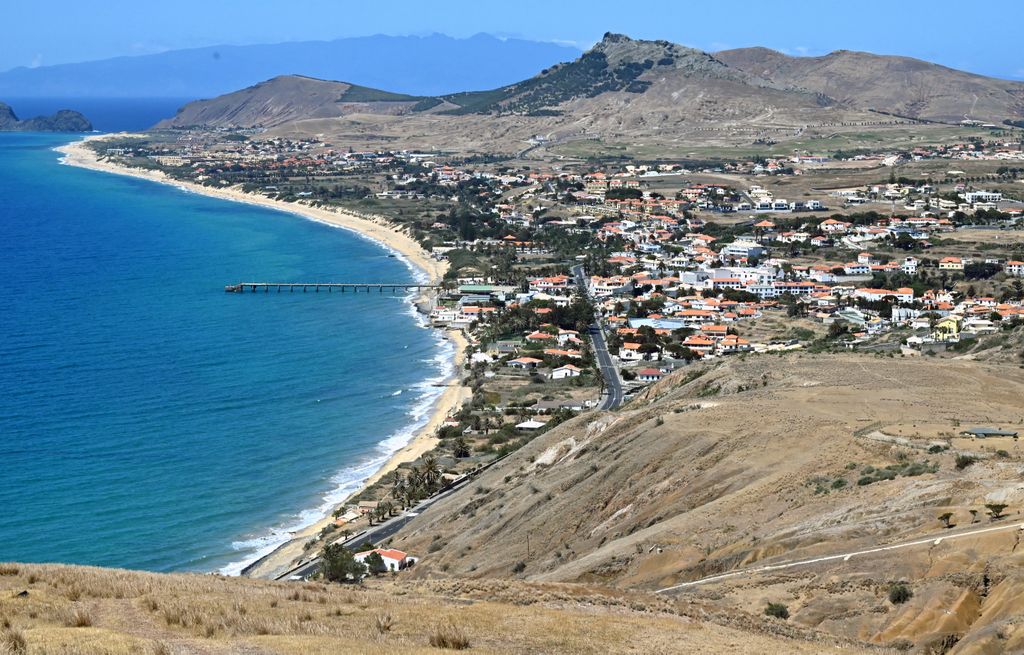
(449,636)
(13,641)
(384,623)
(125,613)
(79,617)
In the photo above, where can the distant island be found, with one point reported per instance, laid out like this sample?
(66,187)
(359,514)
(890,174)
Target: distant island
(64,120)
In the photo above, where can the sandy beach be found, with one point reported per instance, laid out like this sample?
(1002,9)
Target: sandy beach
(375,228)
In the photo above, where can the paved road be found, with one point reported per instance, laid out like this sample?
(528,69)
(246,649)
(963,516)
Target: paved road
(382,531)
(613,395)
(747,572)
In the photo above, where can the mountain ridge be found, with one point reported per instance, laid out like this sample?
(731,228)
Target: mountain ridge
(411,64)
(626,88)
(891,83)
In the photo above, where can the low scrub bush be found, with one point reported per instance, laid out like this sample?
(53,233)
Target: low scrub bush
(449,636)
(13,641)
(899,593)
(777,610)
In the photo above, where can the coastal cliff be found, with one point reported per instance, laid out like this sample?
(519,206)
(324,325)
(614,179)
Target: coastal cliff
(64,120)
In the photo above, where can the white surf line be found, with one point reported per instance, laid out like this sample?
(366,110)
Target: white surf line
(935,541)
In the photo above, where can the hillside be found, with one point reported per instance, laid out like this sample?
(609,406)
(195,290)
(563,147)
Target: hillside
(288,98)
(898,85)
(686,482)
(419,65)
(63,610)
(627,95)
(64,120)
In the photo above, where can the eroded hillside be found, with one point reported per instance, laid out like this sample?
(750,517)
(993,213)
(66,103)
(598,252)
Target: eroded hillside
(766,460)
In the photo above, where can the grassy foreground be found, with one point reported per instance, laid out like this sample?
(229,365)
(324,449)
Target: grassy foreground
(71,610)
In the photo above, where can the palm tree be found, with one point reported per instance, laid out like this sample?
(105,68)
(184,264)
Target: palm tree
(431,471)
(414,480)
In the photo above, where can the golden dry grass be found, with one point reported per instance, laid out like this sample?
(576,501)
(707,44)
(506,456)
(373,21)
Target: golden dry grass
(73,610)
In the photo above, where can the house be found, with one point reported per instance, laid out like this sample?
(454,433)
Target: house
(903,294)
(951,264)
(567,371)
(699,344)
(732,343)
(530,425)
(1015,268)
(741,249)
(832,226)
(394,560)
(948,328)
(540,337)
(524,363)
(630,352)
(982,196)
(649,375)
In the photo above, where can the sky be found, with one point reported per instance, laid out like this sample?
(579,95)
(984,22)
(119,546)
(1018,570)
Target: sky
(969,36)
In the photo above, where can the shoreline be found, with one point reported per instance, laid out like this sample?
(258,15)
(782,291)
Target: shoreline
(384,234)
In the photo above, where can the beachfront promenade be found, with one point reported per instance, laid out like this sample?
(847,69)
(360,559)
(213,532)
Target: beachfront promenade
(354,287)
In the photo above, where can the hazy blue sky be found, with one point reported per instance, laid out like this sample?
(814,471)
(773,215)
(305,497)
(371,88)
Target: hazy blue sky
(980,36)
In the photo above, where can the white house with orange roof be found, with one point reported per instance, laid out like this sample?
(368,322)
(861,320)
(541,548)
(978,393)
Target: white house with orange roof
(394,560)
(832,226)
(1015,268)
(903,294)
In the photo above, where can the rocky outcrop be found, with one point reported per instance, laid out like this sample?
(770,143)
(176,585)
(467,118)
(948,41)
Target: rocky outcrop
(64,120)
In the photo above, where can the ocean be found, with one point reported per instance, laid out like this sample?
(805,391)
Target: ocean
(150,420)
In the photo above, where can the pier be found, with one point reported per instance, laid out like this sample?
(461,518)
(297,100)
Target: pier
(354,287)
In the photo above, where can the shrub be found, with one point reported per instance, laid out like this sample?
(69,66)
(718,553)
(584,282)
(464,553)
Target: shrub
(383,623)
(995,510)
(963,461)
(777,610)
(79,618)
(449,636)
(838,483)
(13,642)
(9,569)
(519,567)
(899,593)
(866,480)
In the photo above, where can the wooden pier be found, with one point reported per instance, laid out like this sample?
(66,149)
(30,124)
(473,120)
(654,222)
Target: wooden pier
(354,287)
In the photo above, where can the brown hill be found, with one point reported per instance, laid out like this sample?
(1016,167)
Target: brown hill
(899,85)
(287,98)
(620,88)
(627,91)
(686,483)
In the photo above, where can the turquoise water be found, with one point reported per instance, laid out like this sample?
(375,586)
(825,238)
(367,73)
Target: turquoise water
(150,420)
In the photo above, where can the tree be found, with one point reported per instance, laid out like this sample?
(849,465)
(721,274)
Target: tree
(945,518)
(338,564)
(430,470)
(995,510)
(900,593)
(460,448)
(375,564)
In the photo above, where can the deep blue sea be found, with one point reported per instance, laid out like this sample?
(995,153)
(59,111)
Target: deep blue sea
(150,420)
(105,114)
